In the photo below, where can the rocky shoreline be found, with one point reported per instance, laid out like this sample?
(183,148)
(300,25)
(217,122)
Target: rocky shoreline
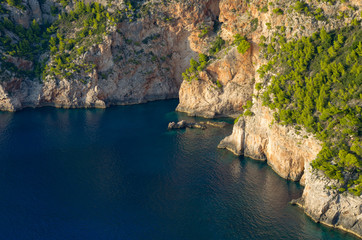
(328,206)
(291,160)
(143,60)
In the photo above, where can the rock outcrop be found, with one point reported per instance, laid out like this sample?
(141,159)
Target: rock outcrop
(285,150)
(201,125)
(183,124)
(204,97)
(236,72)
(328,206)
(290,153)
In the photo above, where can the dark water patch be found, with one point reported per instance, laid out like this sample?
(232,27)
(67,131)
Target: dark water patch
(119,174)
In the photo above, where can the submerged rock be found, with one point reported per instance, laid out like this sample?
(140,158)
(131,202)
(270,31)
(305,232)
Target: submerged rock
(215,124)
(183,124)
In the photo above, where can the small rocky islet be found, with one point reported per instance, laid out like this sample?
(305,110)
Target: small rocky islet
(201,125)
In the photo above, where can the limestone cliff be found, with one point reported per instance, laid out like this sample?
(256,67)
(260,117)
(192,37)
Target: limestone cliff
(136,61)
(204,98)
(285,150)
(237,79)
(290,153)
(328,206)
(142,59)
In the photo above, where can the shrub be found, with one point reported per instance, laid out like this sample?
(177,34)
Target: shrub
(300,6)
(254,24)
(204,31)
(258,86)
(218,84)
(278,11)
(264,9)
(217,45)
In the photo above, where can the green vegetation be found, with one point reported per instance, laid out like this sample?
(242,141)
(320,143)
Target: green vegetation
(316,83)
(331,2)
(216,46)
(204,31)
(91,22)
(242,44)
(264,9)
(278,11)
(30,44)
(218,84)
(16,3)
(300,6)
(31,41)
(192,73)
(303,7)
(258,86)
(246,112)
(69,37)
(318,14)
(237,119)
(247,108)
(254,24)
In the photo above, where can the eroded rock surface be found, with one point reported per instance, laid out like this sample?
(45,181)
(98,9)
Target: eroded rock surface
(183,124)
(328,206)
(258,138)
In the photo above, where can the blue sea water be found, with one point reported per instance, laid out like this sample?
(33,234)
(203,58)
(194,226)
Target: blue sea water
(119,174)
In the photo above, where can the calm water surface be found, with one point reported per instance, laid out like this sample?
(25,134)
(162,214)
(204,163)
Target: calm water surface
(119,174)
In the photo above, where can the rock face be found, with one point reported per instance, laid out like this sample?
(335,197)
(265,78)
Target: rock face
(142,60)
(343,211)
(290,154)
(258,138)
(204,98)
(237,72)
(235,142)
(287,151)
(136,61)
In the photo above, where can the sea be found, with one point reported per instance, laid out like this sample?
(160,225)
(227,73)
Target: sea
(118,173)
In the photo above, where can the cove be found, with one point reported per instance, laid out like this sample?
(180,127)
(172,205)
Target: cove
(118,173)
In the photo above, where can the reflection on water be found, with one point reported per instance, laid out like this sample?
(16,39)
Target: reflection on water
(119,174)
(235,168)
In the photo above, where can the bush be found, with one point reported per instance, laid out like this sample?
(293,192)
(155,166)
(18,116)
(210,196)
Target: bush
(248,113)
(300,6)
(243,45)
(254,24)
(237,119)
(195,67)
(264,9)
(258,86)
(278,11)
(204,31)
(218,84)
(217,45)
